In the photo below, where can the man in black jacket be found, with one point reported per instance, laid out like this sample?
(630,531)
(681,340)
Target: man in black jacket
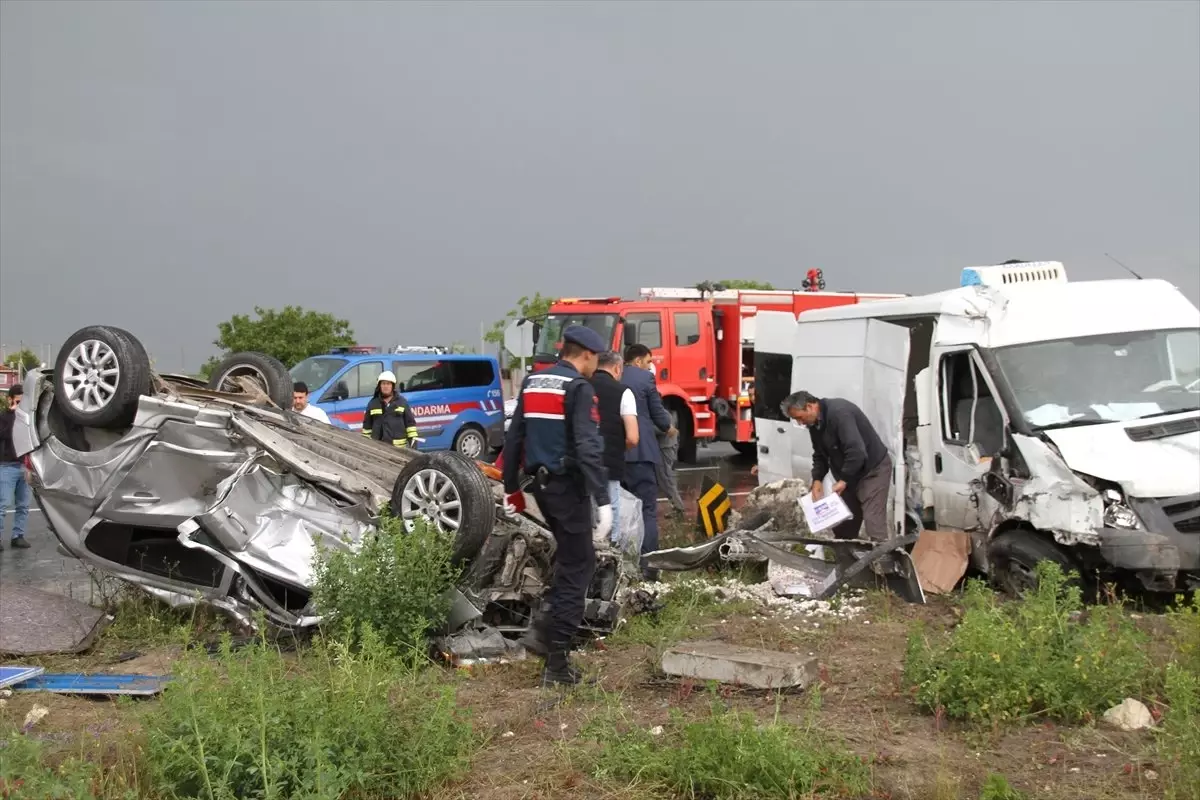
(618,427)
(845,443)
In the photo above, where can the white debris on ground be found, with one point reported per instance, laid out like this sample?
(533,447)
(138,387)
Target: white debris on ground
(846,605)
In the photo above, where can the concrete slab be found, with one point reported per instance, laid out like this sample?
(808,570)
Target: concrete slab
(743,666)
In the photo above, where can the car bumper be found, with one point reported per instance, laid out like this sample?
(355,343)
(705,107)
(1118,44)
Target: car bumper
(1161,561)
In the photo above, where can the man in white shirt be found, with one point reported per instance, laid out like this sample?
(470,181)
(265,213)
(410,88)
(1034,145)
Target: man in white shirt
(617,409)
(301,405)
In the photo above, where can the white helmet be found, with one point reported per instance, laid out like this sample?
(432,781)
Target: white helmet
(387,375)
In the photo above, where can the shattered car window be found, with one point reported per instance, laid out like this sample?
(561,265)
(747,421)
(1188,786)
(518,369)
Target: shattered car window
(1115,377)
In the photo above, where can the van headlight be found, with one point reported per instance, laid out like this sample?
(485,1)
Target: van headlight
(1117,513)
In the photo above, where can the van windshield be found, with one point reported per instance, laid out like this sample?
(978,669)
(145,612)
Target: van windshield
(550,338)
(316,372)
(1114,377)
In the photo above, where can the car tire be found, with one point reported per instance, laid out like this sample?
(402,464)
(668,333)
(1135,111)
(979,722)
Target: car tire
(1013,559)
(471,442)
(416,495)
(269,372)
(96,361)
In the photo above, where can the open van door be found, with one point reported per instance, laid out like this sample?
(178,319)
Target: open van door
(864,361)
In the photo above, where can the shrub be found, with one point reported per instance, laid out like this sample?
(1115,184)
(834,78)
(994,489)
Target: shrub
(396,583)
(26,771)
(1179,737)
(335,722)
(1006,661)
(729,756)
(997,787)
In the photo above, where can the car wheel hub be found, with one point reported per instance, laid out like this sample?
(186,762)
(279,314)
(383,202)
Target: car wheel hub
(432,496)
(91,375)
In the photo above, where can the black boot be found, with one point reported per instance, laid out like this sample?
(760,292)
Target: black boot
(536,639)
(560,671)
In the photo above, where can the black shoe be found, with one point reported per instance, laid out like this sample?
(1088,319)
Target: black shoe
(534,641)
(19,543)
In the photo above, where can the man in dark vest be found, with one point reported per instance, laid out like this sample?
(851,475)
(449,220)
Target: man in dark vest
(555,438)
(618,427)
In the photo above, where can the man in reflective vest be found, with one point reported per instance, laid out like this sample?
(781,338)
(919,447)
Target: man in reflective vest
(555,438)
(388,417)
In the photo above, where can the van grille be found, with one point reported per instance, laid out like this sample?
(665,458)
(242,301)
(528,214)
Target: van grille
(1183,512)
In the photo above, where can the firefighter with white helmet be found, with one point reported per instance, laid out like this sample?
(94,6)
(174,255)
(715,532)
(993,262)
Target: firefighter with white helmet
(389,418)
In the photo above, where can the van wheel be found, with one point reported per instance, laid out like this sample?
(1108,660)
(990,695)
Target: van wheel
(446,490)
(471,442)
(1013,558)
(99,375)
(254,374)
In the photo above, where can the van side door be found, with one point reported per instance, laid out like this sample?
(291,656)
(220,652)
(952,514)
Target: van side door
(359,380)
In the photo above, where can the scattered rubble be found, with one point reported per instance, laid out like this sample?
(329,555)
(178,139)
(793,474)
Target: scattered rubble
(844,606)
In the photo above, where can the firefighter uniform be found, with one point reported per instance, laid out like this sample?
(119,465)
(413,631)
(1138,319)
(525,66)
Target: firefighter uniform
(554,437)
(390,420)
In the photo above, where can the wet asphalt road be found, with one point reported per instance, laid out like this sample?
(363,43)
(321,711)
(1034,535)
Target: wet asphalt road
(43,567)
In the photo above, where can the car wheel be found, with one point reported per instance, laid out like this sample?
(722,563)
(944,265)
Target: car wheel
(267,374)
(448,490)
(1014,556)
(99,375)
(471,443)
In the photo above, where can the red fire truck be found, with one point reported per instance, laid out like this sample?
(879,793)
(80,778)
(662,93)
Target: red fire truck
(703,348)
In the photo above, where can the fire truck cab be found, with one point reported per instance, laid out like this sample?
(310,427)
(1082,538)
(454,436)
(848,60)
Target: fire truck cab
(702,343)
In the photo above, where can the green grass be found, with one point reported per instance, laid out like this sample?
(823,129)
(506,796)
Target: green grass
(1011,661)
(688,603)
(725,756)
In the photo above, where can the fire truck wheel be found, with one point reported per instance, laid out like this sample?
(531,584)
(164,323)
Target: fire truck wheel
(747,449)
(687,440)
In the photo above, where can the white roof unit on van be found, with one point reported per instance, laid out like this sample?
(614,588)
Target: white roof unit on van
(1033,311)
(1018,274)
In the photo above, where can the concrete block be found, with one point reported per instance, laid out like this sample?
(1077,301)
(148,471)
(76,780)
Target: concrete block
(743,666)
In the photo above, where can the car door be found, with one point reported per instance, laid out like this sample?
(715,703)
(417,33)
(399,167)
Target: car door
(773,367)
(864,361)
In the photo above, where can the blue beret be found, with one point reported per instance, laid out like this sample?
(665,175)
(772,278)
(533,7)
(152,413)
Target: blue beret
(586,338)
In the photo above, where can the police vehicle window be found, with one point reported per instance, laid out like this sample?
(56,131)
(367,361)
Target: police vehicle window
(772,384)
(361,379)
(470,373)
(405,370)
(687,328)
(316,372)
(433,378)
(646,329)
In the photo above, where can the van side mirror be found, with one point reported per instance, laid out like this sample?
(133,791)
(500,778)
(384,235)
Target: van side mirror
(341,391)
(629,334)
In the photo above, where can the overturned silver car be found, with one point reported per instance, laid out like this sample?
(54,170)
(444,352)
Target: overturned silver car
(218,491)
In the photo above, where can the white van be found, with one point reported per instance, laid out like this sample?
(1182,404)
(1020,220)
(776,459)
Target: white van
(1049,419)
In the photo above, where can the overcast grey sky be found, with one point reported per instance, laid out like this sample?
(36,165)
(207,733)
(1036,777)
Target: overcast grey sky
(415,167)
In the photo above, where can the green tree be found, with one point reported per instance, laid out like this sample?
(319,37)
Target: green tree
(527,307)
(738,283)
(22,360)
(291,334)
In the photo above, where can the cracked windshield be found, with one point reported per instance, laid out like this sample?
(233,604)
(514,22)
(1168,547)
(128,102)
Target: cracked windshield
(1110,378)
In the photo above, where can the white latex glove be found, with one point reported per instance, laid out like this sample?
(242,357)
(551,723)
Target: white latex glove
(603,525)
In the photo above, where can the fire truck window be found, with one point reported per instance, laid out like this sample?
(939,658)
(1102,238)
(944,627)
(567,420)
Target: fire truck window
(467,374)
(772,384)
(361,379)
(647,329)
(687,328)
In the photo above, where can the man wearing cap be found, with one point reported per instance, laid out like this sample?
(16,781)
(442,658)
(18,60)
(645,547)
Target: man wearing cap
(13,486)
(554,438)
(388,417)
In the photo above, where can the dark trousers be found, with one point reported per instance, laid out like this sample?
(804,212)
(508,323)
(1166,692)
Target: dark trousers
(568,511)
(867,499)
(641,479)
